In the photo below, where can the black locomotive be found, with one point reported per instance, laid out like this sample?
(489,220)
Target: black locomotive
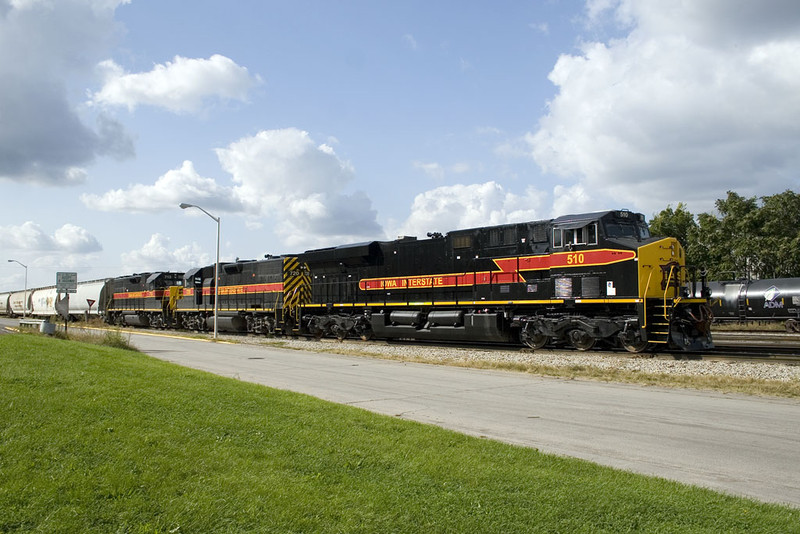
(254,296)
(577,280)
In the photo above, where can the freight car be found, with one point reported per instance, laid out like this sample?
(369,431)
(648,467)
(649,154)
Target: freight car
(757,300)
(83,304)
(4,303)
(19,303)
(577,279)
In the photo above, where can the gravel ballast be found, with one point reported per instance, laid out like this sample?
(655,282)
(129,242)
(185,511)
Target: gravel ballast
(552,358)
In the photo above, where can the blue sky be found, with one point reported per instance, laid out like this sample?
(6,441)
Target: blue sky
(315,123)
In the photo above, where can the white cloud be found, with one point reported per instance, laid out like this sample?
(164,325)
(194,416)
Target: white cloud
(75,239)
(465,206)
(410,41)
(438,172)
(280,175)
(182,85)
(434,170)
(574,199)
(172,188)
(45,47)
(696,98)
(286,176)
(159,255)
(541,27)
(30,237)
(69,248)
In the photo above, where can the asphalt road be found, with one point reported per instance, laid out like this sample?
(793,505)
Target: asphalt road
(733,443)
(737,444)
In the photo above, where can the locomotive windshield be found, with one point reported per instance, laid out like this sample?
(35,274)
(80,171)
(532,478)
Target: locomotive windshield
(633,229)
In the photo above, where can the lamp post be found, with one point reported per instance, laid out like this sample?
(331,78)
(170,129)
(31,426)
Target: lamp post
(24,304)
(216,265)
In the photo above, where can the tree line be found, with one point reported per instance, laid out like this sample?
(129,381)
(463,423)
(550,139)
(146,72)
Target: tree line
(754,238)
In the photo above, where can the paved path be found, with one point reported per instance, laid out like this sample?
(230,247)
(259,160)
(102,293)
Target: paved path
(738,444)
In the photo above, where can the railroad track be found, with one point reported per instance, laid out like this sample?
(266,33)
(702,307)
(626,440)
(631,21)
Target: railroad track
(742,348)
(758,346)
(775,347)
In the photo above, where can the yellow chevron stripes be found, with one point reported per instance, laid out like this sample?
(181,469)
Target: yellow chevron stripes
(296,284)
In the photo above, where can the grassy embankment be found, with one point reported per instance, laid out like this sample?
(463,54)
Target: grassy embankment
(107,440)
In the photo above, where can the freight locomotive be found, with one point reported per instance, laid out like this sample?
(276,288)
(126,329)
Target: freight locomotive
(261,297)
(771,300)
(577,279)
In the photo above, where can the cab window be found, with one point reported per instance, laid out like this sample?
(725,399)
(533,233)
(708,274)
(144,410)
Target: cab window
(586,235)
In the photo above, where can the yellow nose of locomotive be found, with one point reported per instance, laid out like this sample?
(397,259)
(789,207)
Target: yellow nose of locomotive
(662,268)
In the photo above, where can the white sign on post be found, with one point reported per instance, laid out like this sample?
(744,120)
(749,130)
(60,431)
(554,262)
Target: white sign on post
(66,282)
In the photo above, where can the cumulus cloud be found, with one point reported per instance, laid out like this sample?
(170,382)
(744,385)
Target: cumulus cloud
(76,239)
(30,237)
(45,47)
(694,99)
(159,255)
(574,199)
(465,206)
(182,85)
(175,186)
(284,175)
(280,175)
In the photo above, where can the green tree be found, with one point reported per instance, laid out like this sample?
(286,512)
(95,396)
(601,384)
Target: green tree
(678,223)
(747,237)
(780,247)
(739,235)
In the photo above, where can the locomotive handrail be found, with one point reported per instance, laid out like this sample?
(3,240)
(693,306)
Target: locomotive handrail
(644,300)
(666,289)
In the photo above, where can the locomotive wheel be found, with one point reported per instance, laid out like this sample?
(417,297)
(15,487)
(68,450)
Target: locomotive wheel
(534,341)
(636,346)
(580,340)
(339,332)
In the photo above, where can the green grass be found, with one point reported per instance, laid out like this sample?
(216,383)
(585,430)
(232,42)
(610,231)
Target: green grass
(97,439)
(107,337)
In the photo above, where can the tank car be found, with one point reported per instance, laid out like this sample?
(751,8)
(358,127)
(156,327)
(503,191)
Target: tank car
(257,296)
(577,279)
(144,299)
(757,300)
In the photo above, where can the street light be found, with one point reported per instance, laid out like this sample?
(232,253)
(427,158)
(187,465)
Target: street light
(24,304)
(216,265)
